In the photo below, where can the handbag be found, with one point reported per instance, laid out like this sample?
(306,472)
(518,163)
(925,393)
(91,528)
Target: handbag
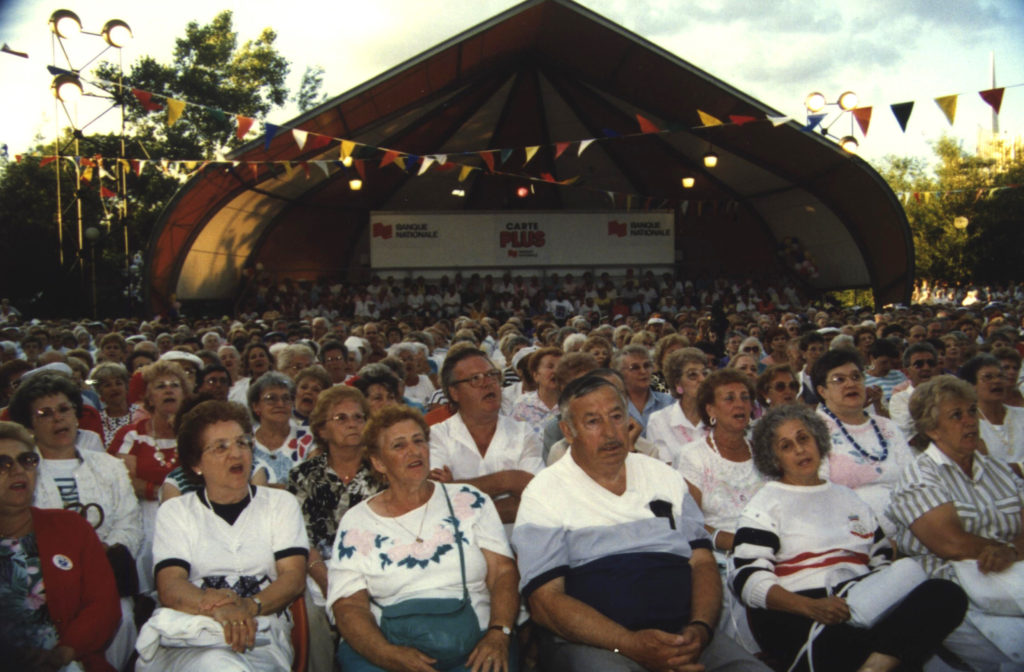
(446,629)
(998,593)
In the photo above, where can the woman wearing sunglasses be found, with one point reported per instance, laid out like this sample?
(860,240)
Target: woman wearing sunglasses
(58,599)
(777,385)
(868,451)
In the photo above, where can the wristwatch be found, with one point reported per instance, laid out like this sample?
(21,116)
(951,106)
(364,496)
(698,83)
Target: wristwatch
(258,603)
(504,628)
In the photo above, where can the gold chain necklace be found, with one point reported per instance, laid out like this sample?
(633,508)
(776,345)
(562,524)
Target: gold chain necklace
(423,520)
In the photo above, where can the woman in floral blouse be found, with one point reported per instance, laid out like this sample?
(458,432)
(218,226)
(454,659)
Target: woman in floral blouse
(327,485)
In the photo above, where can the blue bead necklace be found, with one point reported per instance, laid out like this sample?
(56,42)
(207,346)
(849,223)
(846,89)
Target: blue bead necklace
(849,437)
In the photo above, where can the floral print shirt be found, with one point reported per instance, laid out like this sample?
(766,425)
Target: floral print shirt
(23,614)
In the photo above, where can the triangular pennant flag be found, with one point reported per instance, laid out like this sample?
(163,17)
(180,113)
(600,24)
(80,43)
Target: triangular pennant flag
(87,174)
(646,125)
(300,137)
(993,97)
(611,196)
(174,110)
(269,131)
(740,119)
(863,117)
(138,165)
(441,159)
(145,98)
(43,161)
(488,159)
(425,166)
(389,157)
(547,177)
(570,181)
(318,140)
(464,173)
(288,169)
(610,133)
(254,166)
(244,124)
(778,121)
(191,165)
(812,121)
(505,153)
(400,161)
(560,147)
(323,165)
(583,145)
(218,115)
(361,169)
(346,149)
(948,106)
(530,152)
(107,193)
(902,113)
(708,120)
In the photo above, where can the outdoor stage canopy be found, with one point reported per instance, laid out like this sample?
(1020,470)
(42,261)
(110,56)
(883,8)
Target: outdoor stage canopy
(538,80)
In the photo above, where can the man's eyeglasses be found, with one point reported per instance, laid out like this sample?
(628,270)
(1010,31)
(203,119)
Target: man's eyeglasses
(28,461)
(480,379)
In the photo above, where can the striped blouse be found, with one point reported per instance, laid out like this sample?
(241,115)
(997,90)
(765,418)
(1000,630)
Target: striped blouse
(779,542)
(989,503)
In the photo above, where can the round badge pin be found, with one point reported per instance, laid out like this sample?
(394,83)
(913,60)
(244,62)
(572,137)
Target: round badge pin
(62,562)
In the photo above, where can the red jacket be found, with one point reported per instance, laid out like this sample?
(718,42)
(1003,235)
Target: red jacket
(81,594)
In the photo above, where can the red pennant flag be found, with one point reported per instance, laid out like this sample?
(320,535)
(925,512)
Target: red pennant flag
(107,193)
(389,157)
(316,141)
(646,125)
(45,160)
(255,168)
(993,97)
(361,169)
(740,119)
(560,147)
(488,159)
(146,100)
(136,167)
(863,117)
(87,162)
(548,177)
(244,124)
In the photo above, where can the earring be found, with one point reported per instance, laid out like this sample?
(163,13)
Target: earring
(198,473)
(713,421)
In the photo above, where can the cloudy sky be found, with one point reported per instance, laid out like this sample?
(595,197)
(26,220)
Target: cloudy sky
(888,51)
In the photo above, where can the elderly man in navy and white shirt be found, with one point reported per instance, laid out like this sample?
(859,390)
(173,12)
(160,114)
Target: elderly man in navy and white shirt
(613,555)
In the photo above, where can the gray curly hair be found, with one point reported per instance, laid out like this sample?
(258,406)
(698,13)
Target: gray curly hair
(768,426)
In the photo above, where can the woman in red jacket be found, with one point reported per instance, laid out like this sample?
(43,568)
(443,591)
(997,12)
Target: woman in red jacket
(58,598)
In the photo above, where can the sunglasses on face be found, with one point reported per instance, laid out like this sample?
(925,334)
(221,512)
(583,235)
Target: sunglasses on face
(28,461)
(782,386)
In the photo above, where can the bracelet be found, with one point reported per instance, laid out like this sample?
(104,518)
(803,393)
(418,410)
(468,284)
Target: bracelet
(315,563)
(714,538)
(259,604)
(708,628)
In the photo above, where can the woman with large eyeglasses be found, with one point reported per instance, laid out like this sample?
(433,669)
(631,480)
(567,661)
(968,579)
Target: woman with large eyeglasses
(231,551)
(868,451)
(58,598)
(280,444)
(1002,426)
(89,481)
(778,385)
(674,426)
(336,478)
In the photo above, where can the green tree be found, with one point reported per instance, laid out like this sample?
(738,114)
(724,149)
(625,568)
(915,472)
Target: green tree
(309,94)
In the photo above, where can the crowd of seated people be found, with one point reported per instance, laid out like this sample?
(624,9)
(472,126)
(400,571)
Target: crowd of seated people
(658,475)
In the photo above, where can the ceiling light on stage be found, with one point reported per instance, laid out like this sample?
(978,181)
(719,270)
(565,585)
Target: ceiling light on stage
(65,23)
(347,162)
(522,192)
(850,144)
(848,100)
(355,184)
(67,87)
(960,223)
(710,160)
(688,183)
(116,33)
(815,102)
(461,193)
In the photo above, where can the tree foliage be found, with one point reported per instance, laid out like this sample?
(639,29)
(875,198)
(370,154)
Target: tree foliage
(959,185)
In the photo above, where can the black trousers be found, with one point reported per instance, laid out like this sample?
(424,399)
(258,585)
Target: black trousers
(911,632)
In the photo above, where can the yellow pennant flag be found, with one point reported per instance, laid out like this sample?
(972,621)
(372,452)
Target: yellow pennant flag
(948,106)
(174,110)
(289,170)
(708,120)
(530,151)
(191,165)
(400,162)
(464,173)
(346,149)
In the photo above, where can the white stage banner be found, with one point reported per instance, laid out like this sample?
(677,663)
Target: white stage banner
(510,239)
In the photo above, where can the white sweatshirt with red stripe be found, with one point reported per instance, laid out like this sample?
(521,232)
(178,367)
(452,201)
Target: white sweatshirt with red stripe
(803,538)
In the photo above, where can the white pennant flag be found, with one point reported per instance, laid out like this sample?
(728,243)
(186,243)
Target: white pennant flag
(583,145)
(300,137)
(425,165)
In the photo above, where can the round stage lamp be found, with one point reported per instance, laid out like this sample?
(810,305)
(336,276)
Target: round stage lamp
(355,184)
(688,183)
(64,23)
(815,102)
(848,100)
(850,144)
(67,87)
(116,33)
(522,192)
(710,160)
